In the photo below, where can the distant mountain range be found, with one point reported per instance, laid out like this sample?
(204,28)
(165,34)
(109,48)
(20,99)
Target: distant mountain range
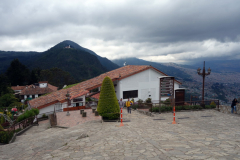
(218,65)
(169,70)
(80,62)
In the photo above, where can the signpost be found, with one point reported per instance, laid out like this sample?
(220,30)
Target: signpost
(166,89)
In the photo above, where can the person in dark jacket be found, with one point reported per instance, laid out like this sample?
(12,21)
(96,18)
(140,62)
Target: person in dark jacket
(234,103)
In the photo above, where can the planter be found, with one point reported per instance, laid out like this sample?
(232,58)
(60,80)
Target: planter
(111,117)
(93,110)
(84,114)
(106,119)
(96,113)
(81,111)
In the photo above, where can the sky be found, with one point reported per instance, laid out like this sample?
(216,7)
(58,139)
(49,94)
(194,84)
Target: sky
(177,31)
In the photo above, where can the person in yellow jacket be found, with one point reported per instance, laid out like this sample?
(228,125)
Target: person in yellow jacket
(129,105)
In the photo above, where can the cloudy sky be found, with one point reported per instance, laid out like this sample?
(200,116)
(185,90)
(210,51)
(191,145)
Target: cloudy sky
(155,30)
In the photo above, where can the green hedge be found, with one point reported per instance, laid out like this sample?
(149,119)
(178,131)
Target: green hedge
(27,114)
(178,108)
(108,106)
(135,106)
(5,137)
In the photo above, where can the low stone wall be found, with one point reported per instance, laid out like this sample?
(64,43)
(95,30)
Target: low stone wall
(227,109)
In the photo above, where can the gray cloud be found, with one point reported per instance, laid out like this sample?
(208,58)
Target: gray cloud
(159,30)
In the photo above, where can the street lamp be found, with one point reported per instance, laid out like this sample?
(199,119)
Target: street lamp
(68,103)
(203,74)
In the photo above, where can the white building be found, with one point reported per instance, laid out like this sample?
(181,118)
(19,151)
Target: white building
(131,81)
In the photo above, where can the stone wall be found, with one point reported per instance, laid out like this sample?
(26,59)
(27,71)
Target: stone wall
(227,109)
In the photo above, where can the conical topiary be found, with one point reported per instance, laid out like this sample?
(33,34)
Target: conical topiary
(108,104)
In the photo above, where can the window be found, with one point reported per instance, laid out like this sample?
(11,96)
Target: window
(130,94)
(77,99)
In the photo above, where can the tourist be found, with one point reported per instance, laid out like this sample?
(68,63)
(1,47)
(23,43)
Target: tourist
(121,103)
(129,105)
(234,103)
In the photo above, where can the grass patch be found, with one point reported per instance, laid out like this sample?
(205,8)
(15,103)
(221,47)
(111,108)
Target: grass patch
(69,86)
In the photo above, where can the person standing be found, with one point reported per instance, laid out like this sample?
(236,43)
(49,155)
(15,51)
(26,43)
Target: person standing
(234,103)
(129,105)
(121,104)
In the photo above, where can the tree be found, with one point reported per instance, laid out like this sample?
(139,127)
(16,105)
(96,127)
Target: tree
(4,85)
(17,73)
(57,77)
(35,75)
(108,104)
(7,99)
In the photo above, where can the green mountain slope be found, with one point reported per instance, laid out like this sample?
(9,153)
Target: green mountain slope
(30,58)
(79,63)
(6,57)
(109,65)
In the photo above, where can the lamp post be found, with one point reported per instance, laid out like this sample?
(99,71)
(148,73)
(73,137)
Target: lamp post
(68,103)
(203,74)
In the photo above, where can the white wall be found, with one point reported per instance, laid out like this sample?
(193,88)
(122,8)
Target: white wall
(58,106)
(42,85)
(146,82)
(46,109)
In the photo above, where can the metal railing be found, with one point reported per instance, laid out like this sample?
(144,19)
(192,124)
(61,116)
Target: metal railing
(22,125)
(91,104)
(147,106)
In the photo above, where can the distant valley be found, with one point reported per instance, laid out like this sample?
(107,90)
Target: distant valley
(223,83)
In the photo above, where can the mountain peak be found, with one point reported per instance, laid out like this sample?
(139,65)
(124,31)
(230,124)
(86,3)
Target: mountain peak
(68,44)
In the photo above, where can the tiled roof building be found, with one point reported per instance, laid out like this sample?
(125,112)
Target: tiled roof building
(34,90)
(84,87)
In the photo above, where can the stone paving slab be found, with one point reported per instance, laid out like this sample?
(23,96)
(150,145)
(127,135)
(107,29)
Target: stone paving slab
(215,137)
(75,118)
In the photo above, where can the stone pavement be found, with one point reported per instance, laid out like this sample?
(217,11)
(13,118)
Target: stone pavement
(75,118)
(205,134)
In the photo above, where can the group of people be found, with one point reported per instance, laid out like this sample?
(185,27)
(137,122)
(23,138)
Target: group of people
(233,106)
(128,104)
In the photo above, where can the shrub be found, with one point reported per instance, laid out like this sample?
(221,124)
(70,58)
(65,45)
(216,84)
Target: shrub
(135,106)
(2,119)
(36,111)
(167,102)
(5,137)
(213,104)
(207,107)
(187,107)
(140,101)
(149,100)
(154,109)
(27,114)
(108,104)
(18,105)
(132,100)
(1,128)
(178,108)
(44,116)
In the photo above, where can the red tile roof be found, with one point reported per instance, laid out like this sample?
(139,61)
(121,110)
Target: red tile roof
(17,88)
(32,90)
(96,96)
(54,88)
(85,86)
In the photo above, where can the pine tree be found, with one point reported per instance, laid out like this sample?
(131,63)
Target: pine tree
(108,104)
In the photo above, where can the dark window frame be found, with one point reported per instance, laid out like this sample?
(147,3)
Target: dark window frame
(130,94)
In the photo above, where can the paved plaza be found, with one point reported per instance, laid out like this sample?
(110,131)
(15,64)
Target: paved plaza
(207,134)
